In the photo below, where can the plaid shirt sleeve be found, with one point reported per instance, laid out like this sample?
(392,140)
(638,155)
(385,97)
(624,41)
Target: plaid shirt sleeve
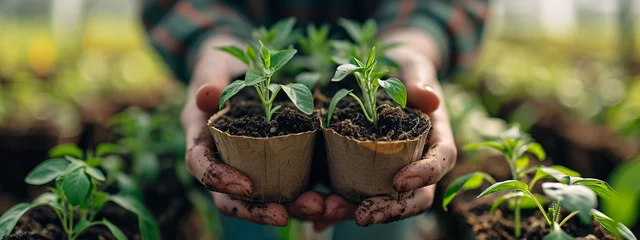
(177,28)
(456,25)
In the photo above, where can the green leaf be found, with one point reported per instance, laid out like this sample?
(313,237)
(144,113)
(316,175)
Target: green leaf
(504,198)
(265,55)
(614,227)
(600,187)
(95,173)
(556,171)
(528,202)
(236,52)
(557,234)
(148,226)
(467,182)
(506,185)
(522,163)
(115,230)
(252,78)
(128,186)
(99,200)
(396,90)
(231,90)
(251,54)
(147,166)
(45,198)
(281,58)
(80,226)
(537,150)
(108,148)
(76,186)
(372,57)
(380,74)
(573,197)
(341,46)
(340,60)
(624,206)
(10,218)
(281,31)
(352,28)
(94,161)
(309,79)
(332,105)
(491,144)
(47,171)
(66,150)
(343,71)
(369,30)
(300,96)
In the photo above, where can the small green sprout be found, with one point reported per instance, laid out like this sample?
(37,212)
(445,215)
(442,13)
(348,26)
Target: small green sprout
(262,66)
(571,191)
(79,191)
(365,37)
(369,82)
(317,49)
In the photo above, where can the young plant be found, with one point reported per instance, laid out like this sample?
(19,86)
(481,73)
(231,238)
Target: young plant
(262,66)
(369,82)
(276,37)
(573,192)
(78,194)
(365,37)
(317,49)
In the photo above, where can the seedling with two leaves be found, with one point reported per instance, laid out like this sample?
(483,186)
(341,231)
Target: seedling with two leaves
(369,82)
(572,192)
(79,194)
(262,66)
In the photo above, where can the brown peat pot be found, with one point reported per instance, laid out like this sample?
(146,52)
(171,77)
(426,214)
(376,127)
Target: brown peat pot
(278,167)
(362,169)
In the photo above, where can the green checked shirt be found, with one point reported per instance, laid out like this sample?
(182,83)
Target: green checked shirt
(177,28)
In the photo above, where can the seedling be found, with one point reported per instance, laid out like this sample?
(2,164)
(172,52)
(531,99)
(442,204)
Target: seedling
(365,37)
(78,194)
(369,82)
(317,49)
(571,191)
(262,66)
(276,37)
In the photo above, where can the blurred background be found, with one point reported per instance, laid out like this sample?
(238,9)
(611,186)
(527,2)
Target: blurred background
(568,71)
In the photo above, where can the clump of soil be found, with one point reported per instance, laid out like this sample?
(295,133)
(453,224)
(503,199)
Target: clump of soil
(394,123)
(248,119)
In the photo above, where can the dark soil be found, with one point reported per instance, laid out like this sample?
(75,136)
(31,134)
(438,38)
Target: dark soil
(167,200)
(248,119)
(394,123)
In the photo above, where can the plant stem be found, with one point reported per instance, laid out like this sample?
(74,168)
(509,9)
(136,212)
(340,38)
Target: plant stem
(366,114)
(516,219)
(568,217)
(539,207)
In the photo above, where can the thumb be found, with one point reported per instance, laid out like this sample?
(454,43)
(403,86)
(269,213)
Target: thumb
(208,97)
(422,96)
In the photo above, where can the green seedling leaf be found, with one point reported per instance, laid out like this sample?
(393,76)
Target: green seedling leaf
(600,187)
(514,185)
(556,172)
(66,150)
(253,78)
(614,227)
(528,202)
(265,55)
(47,171)
(358,62)
(107,149)
(76,186)
(352,28)
(147,166)
(94,161)
(95,173)
(281,58)
(230,91)
(115,230)
(332,105)
(504,198)
(128,186)
(372,57)
(341,46)
(148,226)
(369,30)
(573,197)
(251,54)
(537,150)
(522,163)
(45,198)
(300,96)
(376,75)
(467,182)
(99,200)
(10,218)
(80,226)
(626,204)
(343,71)
(396,90)
(281,32)
(558,234)
(491,144)
(274,88)
(236,52)
(309,79)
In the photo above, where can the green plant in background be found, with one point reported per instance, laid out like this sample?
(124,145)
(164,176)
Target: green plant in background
(317,50)
(79,190)
(571,191)
(626,204)
(364,37)
(262,66)
(369,82)
(279,36)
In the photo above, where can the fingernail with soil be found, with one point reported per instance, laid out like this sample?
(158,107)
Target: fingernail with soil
(237,189)
(412,183)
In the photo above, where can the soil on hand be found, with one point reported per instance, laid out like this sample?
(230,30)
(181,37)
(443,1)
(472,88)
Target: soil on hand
(248,119)
(394,123)
(499,225)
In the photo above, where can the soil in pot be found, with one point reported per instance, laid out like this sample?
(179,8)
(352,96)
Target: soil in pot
(275,155)
(363,158)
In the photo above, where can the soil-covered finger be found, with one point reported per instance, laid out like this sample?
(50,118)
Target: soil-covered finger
(338,208)
(261,213)
(439,159)
(385,209)
(307,205)
(215,175)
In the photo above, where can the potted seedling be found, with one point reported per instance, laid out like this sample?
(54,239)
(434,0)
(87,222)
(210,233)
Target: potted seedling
(273,148)
(78,195)
(368,140)
(576,194)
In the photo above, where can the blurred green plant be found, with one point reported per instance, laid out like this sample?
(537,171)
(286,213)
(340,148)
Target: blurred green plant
(626,204)
(316,50)
(364,38)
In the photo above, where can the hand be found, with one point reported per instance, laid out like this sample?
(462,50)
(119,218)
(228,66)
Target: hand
(212,72)
(424,92)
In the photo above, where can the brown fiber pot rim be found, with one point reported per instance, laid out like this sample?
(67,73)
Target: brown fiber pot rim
(429,125)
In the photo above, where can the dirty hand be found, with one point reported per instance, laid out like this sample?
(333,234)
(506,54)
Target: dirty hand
(424,93)
(212,72)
